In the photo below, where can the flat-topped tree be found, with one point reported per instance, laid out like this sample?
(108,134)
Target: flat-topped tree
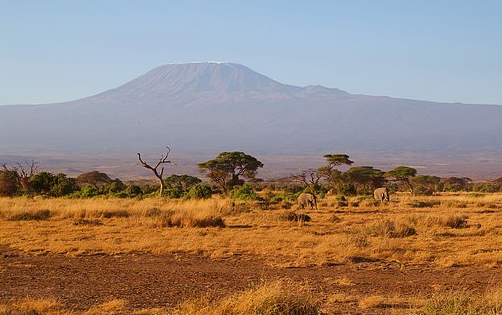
(329,172)
(402,174)
(365,178)
(227,169)
(94,178)
(163,160)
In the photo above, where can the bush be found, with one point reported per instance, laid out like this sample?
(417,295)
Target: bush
(244,192)
(88,192)
(117,186)
(423,191)
(178,186)
(133,191)
(8,183)
(200,191)
(52,185)
(290,197)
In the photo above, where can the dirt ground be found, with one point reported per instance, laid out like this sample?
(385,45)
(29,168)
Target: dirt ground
(150,281)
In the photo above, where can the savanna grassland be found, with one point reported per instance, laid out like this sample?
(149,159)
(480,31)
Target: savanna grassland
(414,255)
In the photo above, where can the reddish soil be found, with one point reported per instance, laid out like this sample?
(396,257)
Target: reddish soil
(148,281)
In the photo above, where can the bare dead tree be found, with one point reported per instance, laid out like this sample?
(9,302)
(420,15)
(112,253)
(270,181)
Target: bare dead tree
(163,160)
(23,172)
(310,178)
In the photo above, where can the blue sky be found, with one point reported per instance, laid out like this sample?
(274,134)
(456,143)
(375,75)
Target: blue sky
(442,50)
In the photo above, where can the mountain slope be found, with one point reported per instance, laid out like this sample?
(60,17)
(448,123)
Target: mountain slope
(205,108)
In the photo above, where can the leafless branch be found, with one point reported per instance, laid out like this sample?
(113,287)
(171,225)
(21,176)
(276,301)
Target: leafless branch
(310,177)
(163,160)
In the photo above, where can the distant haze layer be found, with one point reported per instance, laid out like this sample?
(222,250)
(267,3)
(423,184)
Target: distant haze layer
(204,108)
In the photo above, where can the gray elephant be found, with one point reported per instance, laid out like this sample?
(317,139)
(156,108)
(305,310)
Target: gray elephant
(307,199)
(381,194)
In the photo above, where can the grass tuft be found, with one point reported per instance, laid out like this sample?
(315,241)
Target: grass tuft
(280,297)
(388,228)
(191,219)
(89,222)
(294,217)
(30,216)
(115,214)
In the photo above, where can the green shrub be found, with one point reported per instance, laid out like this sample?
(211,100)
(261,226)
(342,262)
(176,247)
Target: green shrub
(58,185)
(116,186)
(133,191)
(200,191)
(88,192)
(244,192)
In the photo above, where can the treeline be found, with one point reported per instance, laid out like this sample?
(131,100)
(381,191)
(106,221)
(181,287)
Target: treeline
(234,174)
(93,184)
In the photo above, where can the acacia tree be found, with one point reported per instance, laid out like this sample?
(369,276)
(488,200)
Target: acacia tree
(426,184)
(94,178)
(456,183)
(57,185)
(329,172)
(227,169)
(163,160)
(402,174)
(365,178)
(178,185)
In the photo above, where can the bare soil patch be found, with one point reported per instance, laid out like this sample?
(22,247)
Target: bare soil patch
(163,281)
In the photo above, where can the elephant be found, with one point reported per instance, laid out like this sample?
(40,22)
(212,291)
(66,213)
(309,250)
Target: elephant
(307,199)
(381,194)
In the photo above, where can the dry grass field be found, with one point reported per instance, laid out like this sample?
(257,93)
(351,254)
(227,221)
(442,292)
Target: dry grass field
(450,247)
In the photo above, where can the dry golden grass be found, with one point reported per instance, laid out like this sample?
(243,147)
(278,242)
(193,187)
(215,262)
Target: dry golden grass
(463,229)
(112,307)
(464,303)
(281,297)
(33,306)
(388,302)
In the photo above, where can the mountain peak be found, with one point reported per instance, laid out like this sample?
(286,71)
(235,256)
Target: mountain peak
(207,76)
